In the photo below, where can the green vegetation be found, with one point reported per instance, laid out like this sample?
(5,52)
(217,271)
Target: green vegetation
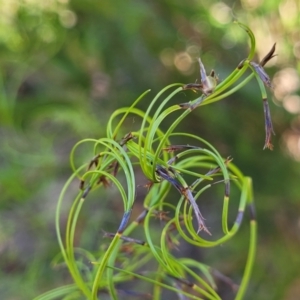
(67,67)
(116,162)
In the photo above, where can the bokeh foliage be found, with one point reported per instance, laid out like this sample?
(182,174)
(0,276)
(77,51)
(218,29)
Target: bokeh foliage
(65,65)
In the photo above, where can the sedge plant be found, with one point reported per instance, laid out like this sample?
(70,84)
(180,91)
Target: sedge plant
(189,169)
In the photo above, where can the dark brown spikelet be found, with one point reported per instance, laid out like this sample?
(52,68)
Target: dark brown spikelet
(268,125)
(269,56)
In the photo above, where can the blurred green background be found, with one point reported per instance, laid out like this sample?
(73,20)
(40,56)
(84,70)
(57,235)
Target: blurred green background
(66,65)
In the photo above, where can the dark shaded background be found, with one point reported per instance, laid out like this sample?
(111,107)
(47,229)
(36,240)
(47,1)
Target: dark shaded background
(66,65)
